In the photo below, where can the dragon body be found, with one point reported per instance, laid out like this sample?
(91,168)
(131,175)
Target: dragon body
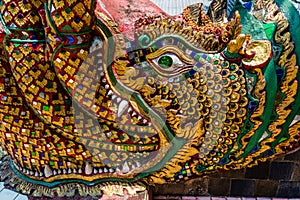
(87,99)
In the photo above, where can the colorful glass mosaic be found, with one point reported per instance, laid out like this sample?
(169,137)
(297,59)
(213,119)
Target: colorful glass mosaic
(97,93)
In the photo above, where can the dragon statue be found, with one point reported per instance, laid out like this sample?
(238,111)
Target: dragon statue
(97,93)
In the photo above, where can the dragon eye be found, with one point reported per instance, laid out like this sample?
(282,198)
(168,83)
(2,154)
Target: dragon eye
(165,62)
(168,61)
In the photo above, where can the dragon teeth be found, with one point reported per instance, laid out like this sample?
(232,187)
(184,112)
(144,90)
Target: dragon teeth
(108,134)
(99,54)
(122,107)
(109,92)
(95,171)
(133,166)
(47,171)
(18,168)
(125,168)
(88,169)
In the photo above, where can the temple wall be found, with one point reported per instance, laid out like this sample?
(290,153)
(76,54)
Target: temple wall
(278,178)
